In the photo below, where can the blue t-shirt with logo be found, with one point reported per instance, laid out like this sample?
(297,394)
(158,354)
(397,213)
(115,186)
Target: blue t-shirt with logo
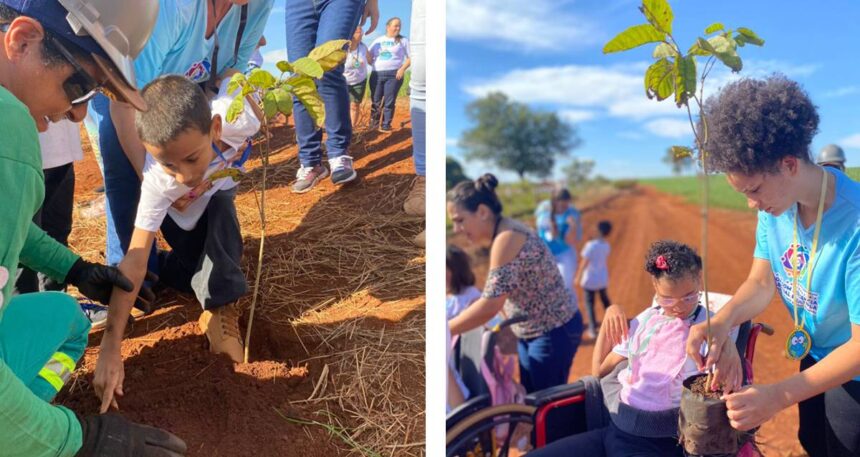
(833,303)
(258,15)
(178,43)
(543,216)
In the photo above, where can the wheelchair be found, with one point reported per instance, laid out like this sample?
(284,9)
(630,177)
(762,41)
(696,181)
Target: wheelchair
(547,415)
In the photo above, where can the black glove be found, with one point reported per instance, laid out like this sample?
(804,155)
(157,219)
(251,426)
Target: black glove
(111,435)
(97,281)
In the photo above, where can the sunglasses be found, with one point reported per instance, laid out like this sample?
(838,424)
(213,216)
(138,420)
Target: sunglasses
(688,300)
(80,87)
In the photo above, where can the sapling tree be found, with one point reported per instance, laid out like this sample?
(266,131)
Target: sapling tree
(676,73)
(297,80)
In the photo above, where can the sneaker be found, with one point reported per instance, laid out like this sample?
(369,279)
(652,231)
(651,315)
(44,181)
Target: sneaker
(384,129)
(308,177)
(414,204)
(221,326)
(97,314)
(341,170)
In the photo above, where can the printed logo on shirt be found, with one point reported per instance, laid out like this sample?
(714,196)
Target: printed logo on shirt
(805,299)
(794,260)
(199,72)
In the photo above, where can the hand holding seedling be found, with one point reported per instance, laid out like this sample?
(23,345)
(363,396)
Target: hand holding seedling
(728,375)
(696,340)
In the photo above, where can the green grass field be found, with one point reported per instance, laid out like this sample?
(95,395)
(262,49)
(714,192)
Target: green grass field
(722,195)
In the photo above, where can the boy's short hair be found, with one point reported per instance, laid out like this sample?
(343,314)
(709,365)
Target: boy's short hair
(753,124)
(175,105)
(604,228)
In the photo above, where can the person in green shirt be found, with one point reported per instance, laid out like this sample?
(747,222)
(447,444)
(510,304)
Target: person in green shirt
(54,56)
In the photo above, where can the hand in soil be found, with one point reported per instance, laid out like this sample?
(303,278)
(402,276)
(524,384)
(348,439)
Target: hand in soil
(728,373)
(615,323)
(109,376)
(698,336)
(753,406)
(111,435)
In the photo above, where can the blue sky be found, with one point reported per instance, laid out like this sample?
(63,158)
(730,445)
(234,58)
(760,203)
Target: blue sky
(276,35)
(547,53)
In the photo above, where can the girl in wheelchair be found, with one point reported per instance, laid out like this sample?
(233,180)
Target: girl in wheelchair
(643,368)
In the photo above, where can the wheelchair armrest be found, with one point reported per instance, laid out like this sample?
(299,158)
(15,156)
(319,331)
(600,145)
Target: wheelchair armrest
(552,394)
(470,406)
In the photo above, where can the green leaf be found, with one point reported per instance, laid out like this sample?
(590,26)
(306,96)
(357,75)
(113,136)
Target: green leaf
(308,66)
(283,100)
(270,104)
(304,88)
(237,106)
(664,50)
(700,48)
(723,50)
(633,37)
(262,79)
(284,66)
(681,152)
(715,27)
(750,36)
(659,78)
(248,90)
(329,54)
(658,13)
(685,79)
(237,80)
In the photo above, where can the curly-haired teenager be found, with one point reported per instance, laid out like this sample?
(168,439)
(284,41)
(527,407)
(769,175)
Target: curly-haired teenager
(523,279)
(807,241)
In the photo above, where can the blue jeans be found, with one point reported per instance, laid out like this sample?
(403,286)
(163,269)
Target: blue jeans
(122,186)
(545,361)
(418,86)
(311,23)
(384,87)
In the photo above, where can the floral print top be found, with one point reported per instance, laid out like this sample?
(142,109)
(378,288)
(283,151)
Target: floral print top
(534,287)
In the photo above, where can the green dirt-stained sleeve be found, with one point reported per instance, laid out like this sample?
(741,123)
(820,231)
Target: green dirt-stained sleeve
(32,427)
(45,254)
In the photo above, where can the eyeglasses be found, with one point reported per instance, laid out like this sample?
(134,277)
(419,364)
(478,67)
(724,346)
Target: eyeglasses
(80,87)
(688,300)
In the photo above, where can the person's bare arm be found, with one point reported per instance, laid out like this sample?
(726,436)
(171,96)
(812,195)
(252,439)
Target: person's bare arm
(750,300)
(402,70)
(612,332)
(122,115)
(505,248)
(109,374)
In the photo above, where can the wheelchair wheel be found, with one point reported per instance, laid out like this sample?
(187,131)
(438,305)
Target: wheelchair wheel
(491,432)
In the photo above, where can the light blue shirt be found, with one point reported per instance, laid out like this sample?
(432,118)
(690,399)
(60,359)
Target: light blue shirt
(556,244)
(178,44)
(833,303)
(258,15)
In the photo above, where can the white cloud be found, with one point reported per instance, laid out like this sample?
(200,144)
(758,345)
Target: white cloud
(842,91)
(852,142)
(527,25)
(669,128)
(275,56)
(451,142)
(575,116)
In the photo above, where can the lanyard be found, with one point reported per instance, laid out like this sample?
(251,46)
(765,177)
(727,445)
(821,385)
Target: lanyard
(811,265)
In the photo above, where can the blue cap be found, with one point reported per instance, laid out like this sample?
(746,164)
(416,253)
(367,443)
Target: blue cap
(52,16)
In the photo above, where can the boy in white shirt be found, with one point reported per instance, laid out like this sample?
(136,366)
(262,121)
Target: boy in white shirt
(181,195)
(593,274)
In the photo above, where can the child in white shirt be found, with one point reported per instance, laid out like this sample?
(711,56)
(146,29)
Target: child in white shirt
(593,274)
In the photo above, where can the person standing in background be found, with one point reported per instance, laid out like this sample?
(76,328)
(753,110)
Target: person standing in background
(389,55)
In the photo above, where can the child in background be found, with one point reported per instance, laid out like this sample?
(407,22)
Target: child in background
(461,292)
(593,274)
(188,194)
(355,72)
(644,404)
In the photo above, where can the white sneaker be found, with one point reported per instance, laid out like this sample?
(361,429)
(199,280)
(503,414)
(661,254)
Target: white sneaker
(341,169)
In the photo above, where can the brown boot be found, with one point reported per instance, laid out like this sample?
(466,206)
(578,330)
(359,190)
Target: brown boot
(221,326)
(414,204)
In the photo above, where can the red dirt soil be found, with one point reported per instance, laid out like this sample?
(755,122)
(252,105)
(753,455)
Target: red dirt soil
(643,215)
(222,409)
